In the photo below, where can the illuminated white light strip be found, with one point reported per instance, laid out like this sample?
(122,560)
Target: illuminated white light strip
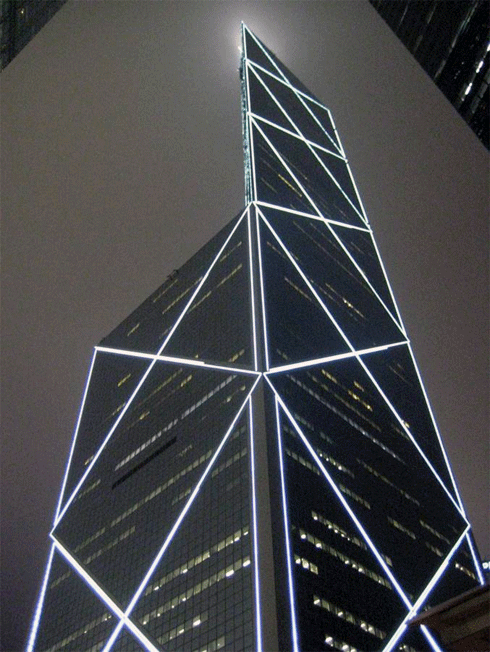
(262,293)
(177,523)
(437,431)
(412,439)
(187,362)
(332,358)
(39,606)
(423,596)
(116,610)
(339,495)
(476,561)
(75,436)
(398,324)
(252,291)
(312,289)
(292,607)
(250,130)
(301,135)
(286,167)
(431,639)
(400,320)
(258,615)
(284,80)
(247,143)
(320,218)
(310,144)
(145,375)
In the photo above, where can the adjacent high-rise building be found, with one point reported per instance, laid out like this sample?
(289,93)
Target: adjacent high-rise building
(256,466)
(451,41)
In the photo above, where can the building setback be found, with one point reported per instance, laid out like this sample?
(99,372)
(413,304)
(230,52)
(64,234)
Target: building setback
(256,466)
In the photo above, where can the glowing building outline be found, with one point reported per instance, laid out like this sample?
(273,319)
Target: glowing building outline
(263,375)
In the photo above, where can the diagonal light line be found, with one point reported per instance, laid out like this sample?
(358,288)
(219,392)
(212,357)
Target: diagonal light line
(106,599)
(177,523)
(75,436)
(412,438)
(188,362)
(258,614)
(301,135)
(310,286)
(287,531)
(431,639)
(145,375)
(399,324)
(252,290)
(284,80)
(331,358)
(476,561)
(423,596)
(284,164)
(339,495)
(439,438)
(361,362)
(320,218)
(262,293)
(39,606)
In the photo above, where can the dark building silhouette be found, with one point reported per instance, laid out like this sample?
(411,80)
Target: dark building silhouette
(20,21)
(256,466)
(451,41)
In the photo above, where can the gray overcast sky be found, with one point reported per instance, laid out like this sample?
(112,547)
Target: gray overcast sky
(121,147)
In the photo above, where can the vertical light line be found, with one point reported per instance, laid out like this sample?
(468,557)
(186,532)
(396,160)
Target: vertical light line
(262,293)
(341,498)
(252,291)
(258,615)
(75,436)
(177,523)
(145,375)
(40,602)
(294,631)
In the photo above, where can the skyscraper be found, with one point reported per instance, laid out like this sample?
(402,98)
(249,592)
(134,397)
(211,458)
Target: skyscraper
(255,464)
(451,41)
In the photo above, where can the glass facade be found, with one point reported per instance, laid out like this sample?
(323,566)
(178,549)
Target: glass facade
(451,41)
(256,466)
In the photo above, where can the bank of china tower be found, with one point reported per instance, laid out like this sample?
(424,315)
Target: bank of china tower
(256,466)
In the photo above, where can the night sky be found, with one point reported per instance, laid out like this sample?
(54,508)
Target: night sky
(121,156)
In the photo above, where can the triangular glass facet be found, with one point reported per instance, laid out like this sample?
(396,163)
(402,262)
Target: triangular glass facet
(273,183)
(152,462)
(395,373)
(202,587)
(84,622)
(356,309)
(221,311)
(262,104)
(365,451)
(300,328)
(147,327)
(113,380)
(294,105)
(360,245)
(329,554)
(126,642)
(300,160)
